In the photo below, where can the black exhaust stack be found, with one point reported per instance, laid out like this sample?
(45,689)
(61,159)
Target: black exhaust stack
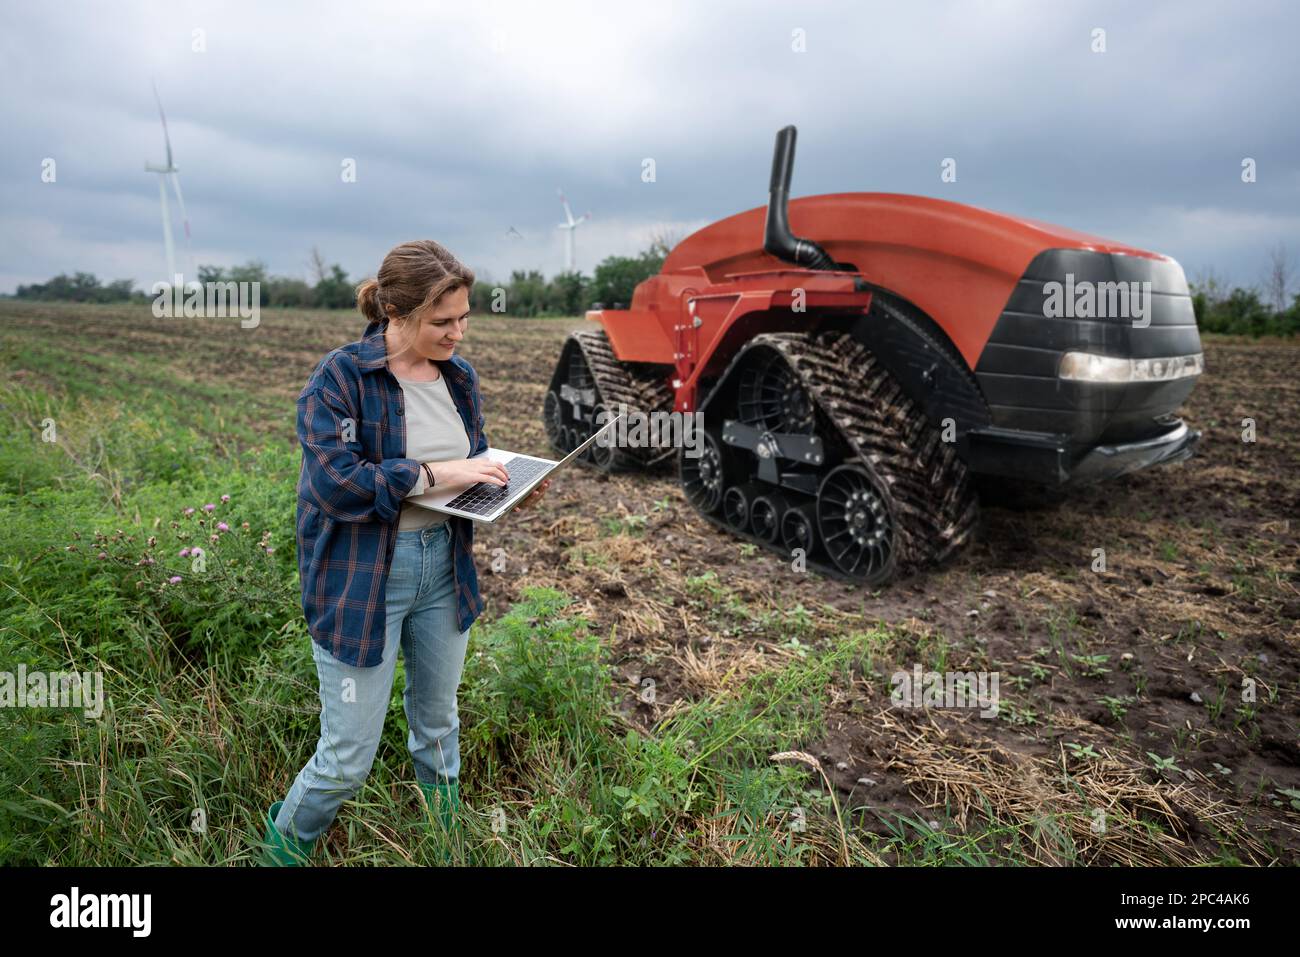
(777,238)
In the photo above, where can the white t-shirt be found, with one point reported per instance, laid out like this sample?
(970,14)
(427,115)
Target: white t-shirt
(434,433)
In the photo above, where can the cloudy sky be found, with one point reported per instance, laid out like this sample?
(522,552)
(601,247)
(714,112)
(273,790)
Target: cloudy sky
(464,119)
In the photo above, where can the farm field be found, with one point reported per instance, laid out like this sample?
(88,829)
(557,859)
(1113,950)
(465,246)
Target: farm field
(636,668)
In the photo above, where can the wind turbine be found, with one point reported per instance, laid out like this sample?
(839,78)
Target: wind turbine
(170,170)
(571,226)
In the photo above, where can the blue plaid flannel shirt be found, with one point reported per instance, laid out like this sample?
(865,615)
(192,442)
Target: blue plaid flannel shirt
(355,474)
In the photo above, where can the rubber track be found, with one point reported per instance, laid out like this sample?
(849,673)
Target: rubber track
(934,505)
(643,389)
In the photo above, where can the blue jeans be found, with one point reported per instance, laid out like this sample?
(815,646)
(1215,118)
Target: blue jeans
(421,608)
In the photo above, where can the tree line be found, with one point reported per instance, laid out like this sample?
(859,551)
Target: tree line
(526,294)
(1268,308)
(1257,310)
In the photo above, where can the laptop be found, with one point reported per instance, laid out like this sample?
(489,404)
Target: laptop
(485,502)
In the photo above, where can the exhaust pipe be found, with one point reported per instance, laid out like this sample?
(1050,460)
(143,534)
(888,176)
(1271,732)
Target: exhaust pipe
(777,238)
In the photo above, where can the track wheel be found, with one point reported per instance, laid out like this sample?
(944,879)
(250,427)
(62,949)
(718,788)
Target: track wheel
(856,524)
(735,508)
(604,453)
(701,476)
(765,517)
(771,397)
(553,419)
(797,529)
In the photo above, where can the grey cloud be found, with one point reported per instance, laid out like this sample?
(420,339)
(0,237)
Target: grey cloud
(464,121)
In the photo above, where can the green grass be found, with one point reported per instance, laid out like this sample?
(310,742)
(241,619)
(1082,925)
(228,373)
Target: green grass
(220,412)
(211,703)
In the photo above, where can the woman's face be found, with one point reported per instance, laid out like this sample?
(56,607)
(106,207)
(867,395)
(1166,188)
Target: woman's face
(432,332)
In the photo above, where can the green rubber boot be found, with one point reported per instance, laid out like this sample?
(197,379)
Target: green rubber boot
(283,850)
(445,800)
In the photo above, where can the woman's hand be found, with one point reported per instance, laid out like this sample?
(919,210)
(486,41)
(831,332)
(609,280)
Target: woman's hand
(534,496)
(469,471)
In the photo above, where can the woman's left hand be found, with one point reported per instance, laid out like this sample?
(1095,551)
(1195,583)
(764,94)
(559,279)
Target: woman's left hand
(534,496)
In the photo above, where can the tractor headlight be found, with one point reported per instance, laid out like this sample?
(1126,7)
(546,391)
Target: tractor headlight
(1088,367)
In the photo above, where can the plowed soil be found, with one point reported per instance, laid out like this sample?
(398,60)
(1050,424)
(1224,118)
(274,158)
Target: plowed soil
(1184,647)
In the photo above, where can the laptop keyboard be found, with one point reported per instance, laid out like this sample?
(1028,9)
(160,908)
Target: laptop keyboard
(483,498)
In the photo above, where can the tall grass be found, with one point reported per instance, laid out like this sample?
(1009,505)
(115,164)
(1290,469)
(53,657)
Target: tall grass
(211,701)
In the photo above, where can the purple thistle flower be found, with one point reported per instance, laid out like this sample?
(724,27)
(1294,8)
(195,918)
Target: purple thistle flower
(189,511)
(185,553)
(222,527)
(209,507)
(225,498)
(175,579)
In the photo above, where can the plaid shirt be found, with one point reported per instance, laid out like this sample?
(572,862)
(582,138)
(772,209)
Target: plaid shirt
(355,474)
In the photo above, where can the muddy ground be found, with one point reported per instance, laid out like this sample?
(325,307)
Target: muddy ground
(1198,605)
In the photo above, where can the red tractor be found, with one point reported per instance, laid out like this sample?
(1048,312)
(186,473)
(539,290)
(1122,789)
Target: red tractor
(850,385)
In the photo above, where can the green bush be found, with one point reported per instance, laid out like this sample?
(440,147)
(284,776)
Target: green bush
(1242,313)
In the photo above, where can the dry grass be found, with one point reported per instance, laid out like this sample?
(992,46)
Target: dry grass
(1107,809)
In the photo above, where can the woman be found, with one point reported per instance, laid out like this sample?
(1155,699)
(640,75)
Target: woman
(381,420)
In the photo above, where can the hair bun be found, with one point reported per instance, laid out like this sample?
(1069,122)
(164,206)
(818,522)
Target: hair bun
(368,300)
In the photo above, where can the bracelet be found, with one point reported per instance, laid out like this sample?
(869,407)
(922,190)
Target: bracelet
(428,472)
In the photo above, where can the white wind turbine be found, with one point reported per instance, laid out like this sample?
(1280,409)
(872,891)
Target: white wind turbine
(170,170)
(571,226)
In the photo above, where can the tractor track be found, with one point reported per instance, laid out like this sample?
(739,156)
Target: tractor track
(642,390)
(935,509)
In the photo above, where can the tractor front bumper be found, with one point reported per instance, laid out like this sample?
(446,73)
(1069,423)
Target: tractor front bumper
(1109,461)
(1052,460)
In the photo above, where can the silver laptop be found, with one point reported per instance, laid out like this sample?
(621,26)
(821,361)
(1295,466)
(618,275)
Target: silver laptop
(485,502)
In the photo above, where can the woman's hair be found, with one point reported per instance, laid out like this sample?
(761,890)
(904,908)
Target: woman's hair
(412,275)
